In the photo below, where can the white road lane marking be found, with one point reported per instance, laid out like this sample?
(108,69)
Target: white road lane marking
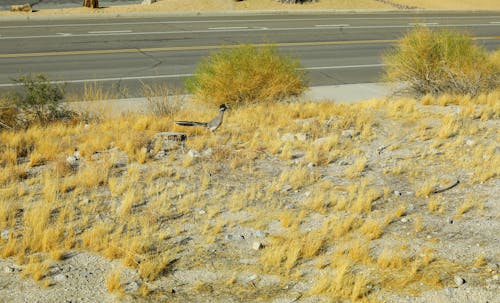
(341,67)
(242,20)
(423,23)
(182,75)
(228,27)
(332,25)
(111,32)
(117,33)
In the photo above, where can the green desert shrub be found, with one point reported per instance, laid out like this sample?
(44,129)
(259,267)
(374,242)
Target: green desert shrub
(38,100)
(444,61)
(245,75)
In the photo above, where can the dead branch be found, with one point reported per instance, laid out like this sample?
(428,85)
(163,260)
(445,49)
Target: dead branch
(440,190)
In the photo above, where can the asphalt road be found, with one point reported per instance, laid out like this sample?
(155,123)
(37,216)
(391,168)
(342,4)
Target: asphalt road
(342,48)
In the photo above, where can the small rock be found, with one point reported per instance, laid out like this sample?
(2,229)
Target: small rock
(207,152)
(59,278)
(307,194)
(202,212)
(397,193)
(493,266)
(73,161)
(344,162)
(132,287)
(5,234)
(404,220)
(459,280)
(429,237)
(288,137)
(470,142)
(286,188)
(349,133)
(229,237)
(449,220)
(148,2)
(193,153)
(302,136)
(260,234)
(495,277)
(257,245)
(311,165)
(292,137)
(11,268)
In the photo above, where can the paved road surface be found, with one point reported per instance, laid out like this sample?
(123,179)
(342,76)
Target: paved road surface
(342,48)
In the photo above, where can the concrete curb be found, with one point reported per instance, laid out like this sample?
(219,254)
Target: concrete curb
(345,93)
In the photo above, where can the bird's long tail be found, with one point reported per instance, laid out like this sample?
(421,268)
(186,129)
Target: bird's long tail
(191,123)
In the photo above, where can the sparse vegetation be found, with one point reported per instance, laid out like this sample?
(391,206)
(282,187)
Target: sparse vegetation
(247,75)
(330,226)
(442,62)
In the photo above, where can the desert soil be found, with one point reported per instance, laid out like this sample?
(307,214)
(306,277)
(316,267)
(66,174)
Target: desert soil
(248,206)
(230,5)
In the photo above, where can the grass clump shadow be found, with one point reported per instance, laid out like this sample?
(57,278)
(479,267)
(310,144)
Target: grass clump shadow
(246,75)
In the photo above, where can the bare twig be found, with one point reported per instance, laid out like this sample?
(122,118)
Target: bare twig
(440,190)
(5,125)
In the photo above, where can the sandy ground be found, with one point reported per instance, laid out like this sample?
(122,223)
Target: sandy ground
(229,5)
(228,269)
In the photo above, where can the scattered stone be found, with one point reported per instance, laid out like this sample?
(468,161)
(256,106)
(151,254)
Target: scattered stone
(302,136)
(459,281)
(288,137)
(345,162)
(260,234)
(73,161)
(166,141)
(5,234)
(297,154)
(449,220)
(148,2)
(381,148)
(404,220)
(493,266)
(229,237)
(193,153)
(257,245)
(307,194)
(286,188)
(132,287)
(397,193)
(292,137)
(207,152)
(495,277)
(21,8)
(202,212)
(470,142)
(59,278)
(11,269)
(349,133)
(311,165)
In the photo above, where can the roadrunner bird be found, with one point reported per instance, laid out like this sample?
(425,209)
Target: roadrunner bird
(211,125)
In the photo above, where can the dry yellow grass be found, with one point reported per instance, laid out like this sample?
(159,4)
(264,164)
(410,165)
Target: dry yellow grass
(336,230)
(217,5)
(454,5)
